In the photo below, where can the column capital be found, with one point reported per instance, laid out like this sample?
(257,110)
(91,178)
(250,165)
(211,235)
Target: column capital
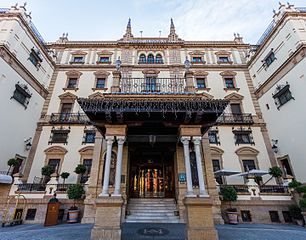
(197,140)
(120,139)
(185,139)
(109,139)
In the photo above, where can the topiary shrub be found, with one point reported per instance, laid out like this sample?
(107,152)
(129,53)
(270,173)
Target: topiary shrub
(64,176)
(301,189)
(80,169)
(229,193)
(75,192)
(294,184)
(295,212)
(12,163)
(275,172)
(47,171)
(302,203)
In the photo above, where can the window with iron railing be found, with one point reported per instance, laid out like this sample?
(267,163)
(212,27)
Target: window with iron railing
(213,137)
(89,136)
(229,82)
(22,94)
(59,136)
(282,95)
(72,83)
(243,137)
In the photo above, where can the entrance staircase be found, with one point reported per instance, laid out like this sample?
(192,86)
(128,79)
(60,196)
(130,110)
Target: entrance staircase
(151,210)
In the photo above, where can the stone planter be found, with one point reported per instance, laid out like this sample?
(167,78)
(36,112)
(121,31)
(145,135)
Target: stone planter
(232,217)
(73,216)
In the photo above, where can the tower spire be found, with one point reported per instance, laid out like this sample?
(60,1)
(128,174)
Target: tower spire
(172,36)
(128,33)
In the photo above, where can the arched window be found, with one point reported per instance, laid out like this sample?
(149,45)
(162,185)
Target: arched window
(150,58)
(142,58)
(159,58)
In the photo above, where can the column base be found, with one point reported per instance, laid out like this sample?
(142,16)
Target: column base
(200,224)
(116,195)
(190,194)
(108,219)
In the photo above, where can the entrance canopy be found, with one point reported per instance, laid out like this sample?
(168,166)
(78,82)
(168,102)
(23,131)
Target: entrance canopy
(179,110)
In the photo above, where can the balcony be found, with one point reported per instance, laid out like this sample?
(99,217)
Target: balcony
(71,118)
(31,187)
(155,61)
(273,189)
(229,118)
(152,85)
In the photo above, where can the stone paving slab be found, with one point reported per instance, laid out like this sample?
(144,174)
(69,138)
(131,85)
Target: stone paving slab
(134,231)
(153,231)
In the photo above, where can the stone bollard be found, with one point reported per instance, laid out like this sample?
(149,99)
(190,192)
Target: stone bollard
(52,184)
(16,182)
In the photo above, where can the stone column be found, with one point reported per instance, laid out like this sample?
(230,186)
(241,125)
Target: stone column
(120,140)
(189,82)
(185,141)
(116,81)
(196,142)
(109,142)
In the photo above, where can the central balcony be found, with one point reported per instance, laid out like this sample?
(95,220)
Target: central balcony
(229,118)
(72,118)
(152,85)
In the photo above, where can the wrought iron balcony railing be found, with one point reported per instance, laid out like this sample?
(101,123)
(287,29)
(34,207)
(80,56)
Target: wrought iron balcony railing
(229,118)
(31,187)
(68,118)
(156,61)
(238,188)
(273,189)
(152,85)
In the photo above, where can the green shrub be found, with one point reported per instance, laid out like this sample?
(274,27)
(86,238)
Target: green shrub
(65,175)
(301,189)
(75,192)
(295,212)
(80,169)
(302,202)
(294,184)
(47,170)
(12,162)
(275,172)
(228,193)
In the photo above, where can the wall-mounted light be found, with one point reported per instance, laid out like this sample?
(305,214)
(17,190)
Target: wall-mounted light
(28,144)
(274,145)
(187,64)
(118,64)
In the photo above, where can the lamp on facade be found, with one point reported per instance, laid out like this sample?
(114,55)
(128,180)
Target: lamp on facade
(118,64)
(28,144)
(187,64)
(274,145)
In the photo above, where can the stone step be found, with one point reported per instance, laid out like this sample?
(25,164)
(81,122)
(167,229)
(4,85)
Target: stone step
(152,217)
(157,214)
(151,221)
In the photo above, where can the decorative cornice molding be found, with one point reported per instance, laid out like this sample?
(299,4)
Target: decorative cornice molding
(101,73)
(56,150)
(105,53)
(234,96)
(200,73)
(223,53)
(79,52)
(73,73)
(228,73)
(67,96)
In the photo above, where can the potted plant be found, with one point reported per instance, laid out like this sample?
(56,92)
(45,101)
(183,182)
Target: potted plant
(296,214)
(12,163)
(81,170)
(275,172)
(229,194)
(46,171)
(74,192)
(64,176)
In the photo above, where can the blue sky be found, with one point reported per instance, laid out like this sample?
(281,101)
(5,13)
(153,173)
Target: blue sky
(194,19)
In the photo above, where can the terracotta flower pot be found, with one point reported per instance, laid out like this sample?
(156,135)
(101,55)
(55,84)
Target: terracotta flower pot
(73,216)
(232,217)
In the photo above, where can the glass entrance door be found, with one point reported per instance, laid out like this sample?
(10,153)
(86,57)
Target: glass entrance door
(152,182)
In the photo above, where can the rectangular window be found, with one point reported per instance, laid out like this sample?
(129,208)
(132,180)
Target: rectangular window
(54,163)
(201,83)
(33,59)
(89,136)
(246,216)
(269,59)
(197,59)
(223,59)
(78,59)
(100,83)
(72,83)
(104,59)
(287,216)
(274,216)
(217,167)
(59,136)
(248,165)
(282,95)
(286,166)
(150,85)
(22,94)
(243,137)
(31,213)
(213,137)
(88,163)
(229,82)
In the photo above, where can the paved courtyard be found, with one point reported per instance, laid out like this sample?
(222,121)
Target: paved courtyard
(153,231)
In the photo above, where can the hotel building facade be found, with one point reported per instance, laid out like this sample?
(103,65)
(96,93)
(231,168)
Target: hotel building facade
(152,119)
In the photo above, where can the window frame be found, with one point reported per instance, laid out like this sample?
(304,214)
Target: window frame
(85,139)
(63,140)
(216,134)
(269,59)
(280,92)
(204,83)
(97,82)
(22,90)
(238,136)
